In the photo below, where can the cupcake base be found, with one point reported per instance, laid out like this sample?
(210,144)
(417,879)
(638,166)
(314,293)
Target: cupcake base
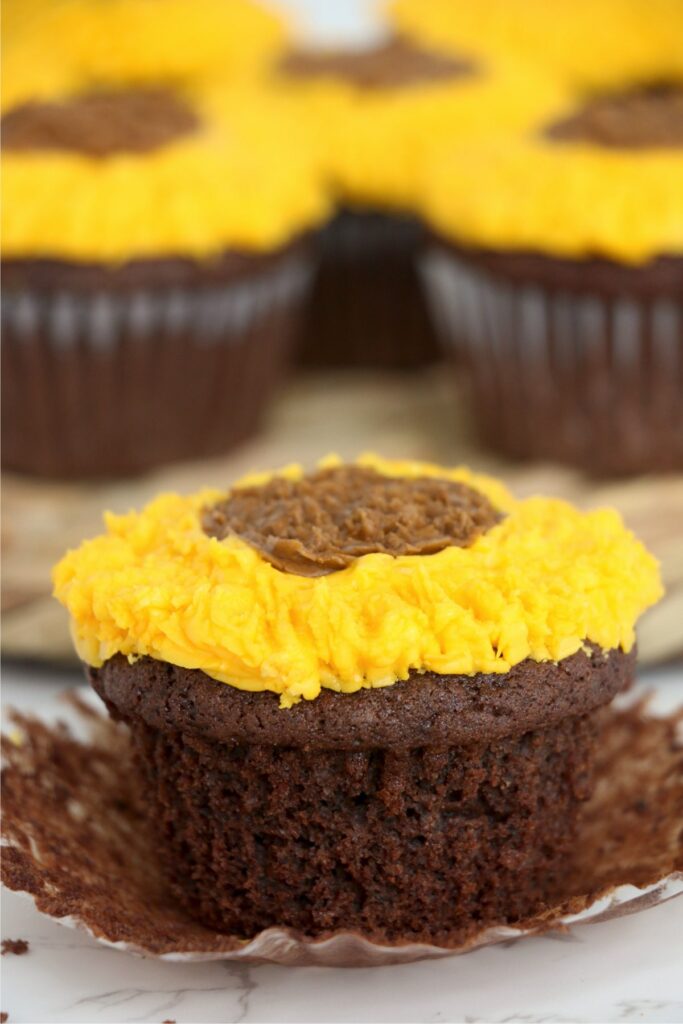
(453,805)
(79,797)
(575,361)
(367,305)
(109,372)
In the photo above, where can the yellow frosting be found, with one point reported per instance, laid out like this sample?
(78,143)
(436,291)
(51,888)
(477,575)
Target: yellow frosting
(383,140)
(592,43)
(249,178)
(376,140)
(57,46)
(518,190)
(567,199)
(537,585)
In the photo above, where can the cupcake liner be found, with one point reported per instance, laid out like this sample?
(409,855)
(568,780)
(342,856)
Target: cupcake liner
(111,381)
(74,793)
(367,306)
(576,371)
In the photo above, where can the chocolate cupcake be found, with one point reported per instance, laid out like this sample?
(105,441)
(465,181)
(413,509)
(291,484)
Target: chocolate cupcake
(149,309)
(379,109)
(441,652)
(557,275)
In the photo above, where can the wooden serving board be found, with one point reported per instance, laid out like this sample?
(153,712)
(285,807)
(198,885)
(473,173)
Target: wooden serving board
(398,415)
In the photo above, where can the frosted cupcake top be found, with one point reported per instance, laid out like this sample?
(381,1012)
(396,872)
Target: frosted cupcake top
(381,109)
(155,170)
(131,113)
(112,43)
(591,45)
(355,576)
(596,176)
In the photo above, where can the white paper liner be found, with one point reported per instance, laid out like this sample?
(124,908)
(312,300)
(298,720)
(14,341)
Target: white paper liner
(346,949)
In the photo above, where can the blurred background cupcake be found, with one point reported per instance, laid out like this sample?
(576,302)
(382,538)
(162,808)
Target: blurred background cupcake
(380,107)
(154,247)
(51,44)
(558,273)
(575,39)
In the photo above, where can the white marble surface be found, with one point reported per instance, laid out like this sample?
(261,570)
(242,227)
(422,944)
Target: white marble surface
(625,970)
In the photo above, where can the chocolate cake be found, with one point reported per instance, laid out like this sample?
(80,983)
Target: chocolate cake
(572,343)
(440,804)
(403,803)
(123,353)
(367,307)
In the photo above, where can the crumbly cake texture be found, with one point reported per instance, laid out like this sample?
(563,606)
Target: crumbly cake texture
(538,191)
(325,822)
(575,39)
(246,177)
(628,835)
(538,585)
(173,43)
(426,709)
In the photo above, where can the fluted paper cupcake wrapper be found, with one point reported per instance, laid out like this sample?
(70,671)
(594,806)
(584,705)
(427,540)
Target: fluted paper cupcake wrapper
(76,843)
(583,377)
(367,306)
(99,383)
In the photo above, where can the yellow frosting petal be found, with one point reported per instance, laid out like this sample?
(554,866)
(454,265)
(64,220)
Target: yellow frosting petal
(376,140)
(565,199)
(250,178)
(538,585)
(590,43)
(57,46)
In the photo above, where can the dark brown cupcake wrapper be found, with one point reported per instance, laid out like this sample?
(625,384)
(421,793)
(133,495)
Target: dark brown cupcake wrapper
(99,383)
(367,306)
(584,375)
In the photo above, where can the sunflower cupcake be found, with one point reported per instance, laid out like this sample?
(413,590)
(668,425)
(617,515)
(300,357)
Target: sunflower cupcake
(361,698)
(154,258)
(557,274)
(172,41)
(590,45)
(379,110)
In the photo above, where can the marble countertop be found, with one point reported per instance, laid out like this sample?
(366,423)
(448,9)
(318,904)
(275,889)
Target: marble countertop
(629,969)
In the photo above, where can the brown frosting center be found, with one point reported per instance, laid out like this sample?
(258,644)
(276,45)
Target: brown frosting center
(321,523)
(100,124)
(638,118)
(394,64)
